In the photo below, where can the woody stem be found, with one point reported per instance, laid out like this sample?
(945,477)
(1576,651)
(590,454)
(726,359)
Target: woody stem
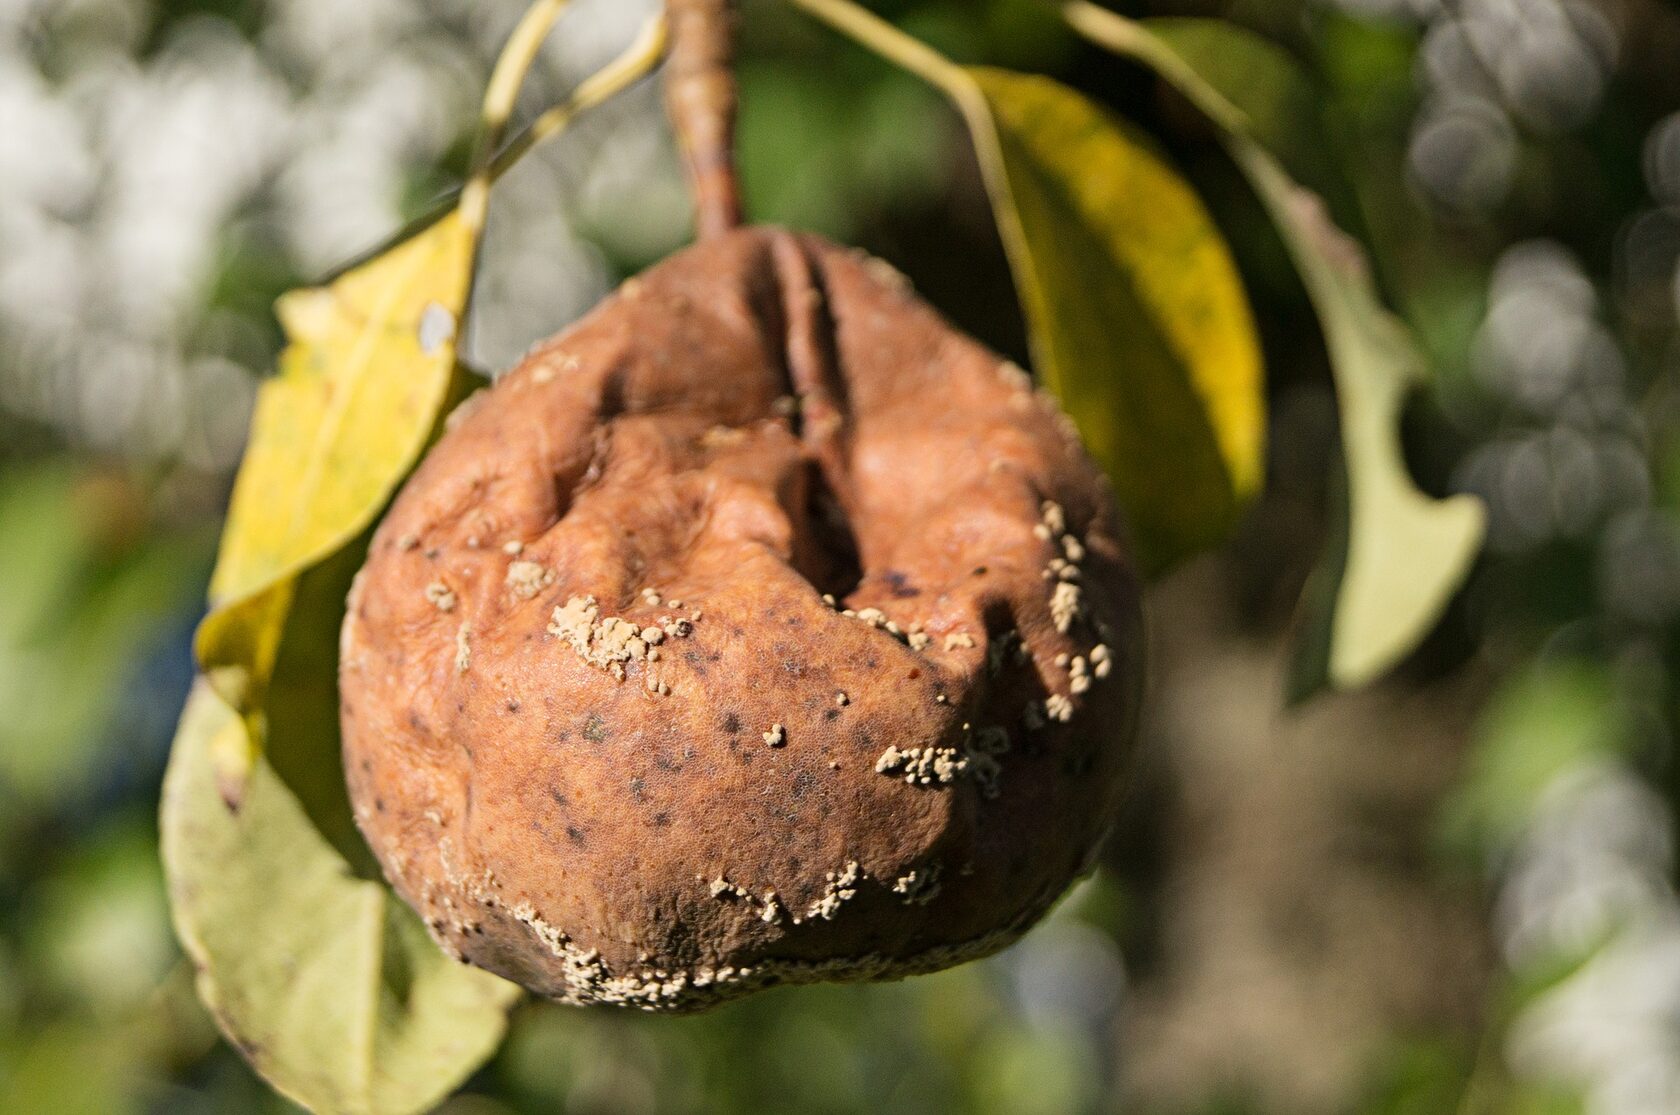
(700,98)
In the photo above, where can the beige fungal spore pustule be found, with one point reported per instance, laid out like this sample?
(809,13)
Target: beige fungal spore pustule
(527,578)
(920,885)
(605,643)
(823,773)
(442,598)
(463,648)
(838,888)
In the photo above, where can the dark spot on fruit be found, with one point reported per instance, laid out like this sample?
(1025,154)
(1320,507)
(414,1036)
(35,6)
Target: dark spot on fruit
(979,570)
(900,585)
(915,672)
(379,805)
(595,729)
(732,724)
(802,782)
(661,820)
(512,705)
(832,714)
(638,789)
(558,796)
(575,834)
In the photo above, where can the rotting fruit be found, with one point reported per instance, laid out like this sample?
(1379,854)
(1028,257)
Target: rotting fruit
(759,628)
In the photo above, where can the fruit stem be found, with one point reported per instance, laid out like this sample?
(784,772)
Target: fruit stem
(700,99)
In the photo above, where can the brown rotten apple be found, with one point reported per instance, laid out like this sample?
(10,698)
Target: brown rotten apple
(759,628)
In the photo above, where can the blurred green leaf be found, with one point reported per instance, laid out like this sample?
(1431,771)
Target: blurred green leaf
(1039,1070)
(85,585)
(327,983)
(68,1069)
(97,928)
(1555,717)
(1419,1077)
(1135,312)
(1399,555)
(827,155)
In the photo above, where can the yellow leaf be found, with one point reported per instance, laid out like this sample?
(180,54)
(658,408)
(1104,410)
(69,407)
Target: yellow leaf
(365,370)
(1135,313)
(1137,316)
(1400,554)
(368,364)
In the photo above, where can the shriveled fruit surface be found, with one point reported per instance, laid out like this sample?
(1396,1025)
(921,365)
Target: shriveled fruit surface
(760,628)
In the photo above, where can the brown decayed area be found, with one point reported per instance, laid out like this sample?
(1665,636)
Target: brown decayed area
(789,636)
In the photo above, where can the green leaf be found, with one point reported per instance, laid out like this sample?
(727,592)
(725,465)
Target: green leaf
(1135,312)
(326,982)
(1399,555)
(85,584)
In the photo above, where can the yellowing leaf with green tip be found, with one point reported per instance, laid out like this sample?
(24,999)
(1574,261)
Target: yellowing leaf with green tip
(1399,554)
(1138,320)
(325,981)
(319,975)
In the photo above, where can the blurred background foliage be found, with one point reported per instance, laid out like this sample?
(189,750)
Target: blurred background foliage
(1454,892)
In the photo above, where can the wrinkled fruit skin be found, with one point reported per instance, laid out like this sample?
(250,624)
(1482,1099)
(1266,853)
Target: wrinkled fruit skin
(601,727)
